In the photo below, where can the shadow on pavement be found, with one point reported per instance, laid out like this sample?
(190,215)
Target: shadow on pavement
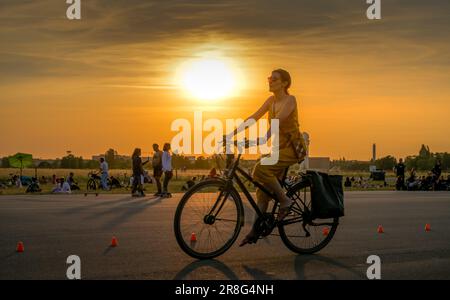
(126,211)
(9,255)
(258,274)
(302,260)
(200,268)
(75,210)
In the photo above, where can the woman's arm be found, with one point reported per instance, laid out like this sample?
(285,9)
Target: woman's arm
(256,116)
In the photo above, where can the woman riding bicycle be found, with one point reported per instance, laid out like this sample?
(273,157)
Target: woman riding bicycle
(282,106)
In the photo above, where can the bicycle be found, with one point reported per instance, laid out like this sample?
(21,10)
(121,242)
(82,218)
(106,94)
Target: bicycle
(210,215)
(94,181)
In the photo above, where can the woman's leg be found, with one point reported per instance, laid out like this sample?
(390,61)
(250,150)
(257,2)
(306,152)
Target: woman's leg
(135,184)
(262,200)
(165,183)
(158,183)
(275,186)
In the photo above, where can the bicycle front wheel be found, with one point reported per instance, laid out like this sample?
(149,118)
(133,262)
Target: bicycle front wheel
(208,219)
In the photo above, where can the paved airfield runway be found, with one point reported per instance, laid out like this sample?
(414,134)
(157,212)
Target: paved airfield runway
(52,227)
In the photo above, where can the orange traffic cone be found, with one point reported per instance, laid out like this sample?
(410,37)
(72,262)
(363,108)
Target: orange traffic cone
(427,227)
(380,229)
(20,247)
(325,231)
(114,242)
(193,237)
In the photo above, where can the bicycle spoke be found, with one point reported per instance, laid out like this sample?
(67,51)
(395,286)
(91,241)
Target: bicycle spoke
(298,231)
(208,222)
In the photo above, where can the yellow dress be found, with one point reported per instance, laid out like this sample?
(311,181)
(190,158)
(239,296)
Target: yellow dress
(288,130)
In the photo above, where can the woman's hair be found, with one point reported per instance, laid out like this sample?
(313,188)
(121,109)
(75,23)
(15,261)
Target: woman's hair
(285,77)
(166,146)
(136,152)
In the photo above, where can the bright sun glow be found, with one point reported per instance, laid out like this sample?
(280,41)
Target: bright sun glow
(209,78)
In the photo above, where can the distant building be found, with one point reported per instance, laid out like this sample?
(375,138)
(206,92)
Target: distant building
(319,163)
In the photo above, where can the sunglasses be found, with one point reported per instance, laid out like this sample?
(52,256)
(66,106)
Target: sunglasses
(272,79)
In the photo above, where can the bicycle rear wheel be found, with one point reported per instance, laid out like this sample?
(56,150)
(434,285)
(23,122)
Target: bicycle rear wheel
(206,224)
(298,231)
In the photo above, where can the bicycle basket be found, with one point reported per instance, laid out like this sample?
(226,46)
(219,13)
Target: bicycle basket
(327,195)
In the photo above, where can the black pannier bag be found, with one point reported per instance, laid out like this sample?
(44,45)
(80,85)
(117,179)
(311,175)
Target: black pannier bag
(327,195)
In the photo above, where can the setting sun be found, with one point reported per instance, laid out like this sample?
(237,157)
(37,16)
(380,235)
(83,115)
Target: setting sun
(208,78)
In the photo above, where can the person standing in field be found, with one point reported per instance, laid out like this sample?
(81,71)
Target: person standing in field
(436,171)
(166,168)
(400,172)
(138,170)
(157,168)
(104,173)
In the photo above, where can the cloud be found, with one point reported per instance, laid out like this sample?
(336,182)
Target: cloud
(119,37)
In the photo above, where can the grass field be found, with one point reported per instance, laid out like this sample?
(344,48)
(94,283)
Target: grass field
(81,176)
(178,180)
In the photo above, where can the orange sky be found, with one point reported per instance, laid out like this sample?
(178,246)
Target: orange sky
(108,79)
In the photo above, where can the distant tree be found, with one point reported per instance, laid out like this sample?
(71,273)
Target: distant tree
(350,165)
(385,163)
(202,163)
(411,162)
(91,164)
(424,151)
(5,162)
(110,157)
(44,165)
(56,163)
(445,160)
(179,161)
(426,162)
(71,162)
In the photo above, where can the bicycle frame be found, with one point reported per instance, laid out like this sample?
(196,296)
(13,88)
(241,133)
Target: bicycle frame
(233,174)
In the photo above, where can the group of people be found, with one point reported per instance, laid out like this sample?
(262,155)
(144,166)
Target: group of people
(161,164)
(65,185)
(361,182)
(433,181)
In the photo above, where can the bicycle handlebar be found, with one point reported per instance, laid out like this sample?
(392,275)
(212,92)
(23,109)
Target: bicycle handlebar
(246,143)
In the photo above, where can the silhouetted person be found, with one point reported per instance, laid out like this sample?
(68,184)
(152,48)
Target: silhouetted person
(71,181)
(138,170)
(412,180)
(43,180)
(115,182)
(347,182)
(437,170)
(157,168)
(167,169)
(212,173)
(190,183)
(104,173)
(400,172)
